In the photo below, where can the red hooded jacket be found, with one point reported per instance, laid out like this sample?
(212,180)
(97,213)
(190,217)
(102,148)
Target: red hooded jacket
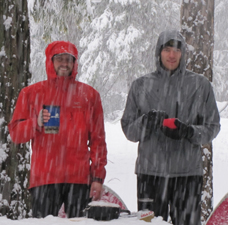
(77,153)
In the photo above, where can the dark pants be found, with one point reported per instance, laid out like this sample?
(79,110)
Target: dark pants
(179,196)
(48,199)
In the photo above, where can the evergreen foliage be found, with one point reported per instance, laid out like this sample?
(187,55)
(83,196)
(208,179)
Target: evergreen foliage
(115,38)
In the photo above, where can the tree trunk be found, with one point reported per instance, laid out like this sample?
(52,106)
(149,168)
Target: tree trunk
(197,20)
(14,75)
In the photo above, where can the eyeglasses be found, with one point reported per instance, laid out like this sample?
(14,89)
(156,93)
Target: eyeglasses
(64,58)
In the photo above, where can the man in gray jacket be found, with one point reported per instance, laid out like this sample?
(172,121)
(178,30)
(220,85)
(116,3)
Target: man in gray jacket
(171,113)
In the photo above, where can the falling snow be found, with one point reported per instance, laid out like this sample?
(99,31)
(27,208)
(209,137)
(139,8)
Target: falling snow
(109,47)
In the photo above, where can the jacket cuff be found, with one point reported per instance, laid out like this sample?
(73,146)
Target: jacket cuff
(196,137)
(36,126)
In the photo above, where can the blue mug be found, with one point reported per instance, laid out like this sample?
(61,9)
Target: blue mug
(52,126)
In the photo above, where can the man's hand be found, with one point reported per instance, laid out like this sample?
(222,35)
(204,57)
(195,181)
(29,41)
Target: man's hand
(154,119)
(177,130)
(43,117)
(95,191)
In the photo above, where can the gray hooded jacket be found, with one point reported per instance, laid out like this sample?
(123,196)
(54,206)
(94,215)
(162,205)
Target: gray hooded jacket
(184,95)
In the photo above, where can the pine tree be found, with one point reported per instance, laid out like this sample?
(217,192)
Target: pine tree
(14,75)
(118,46)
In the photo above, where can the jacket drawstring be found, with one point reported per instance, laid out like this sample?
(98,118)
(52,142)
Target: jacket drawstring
(176,113)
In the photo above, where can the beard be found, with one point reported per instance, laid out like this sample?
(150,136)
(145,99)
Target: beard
(63,71)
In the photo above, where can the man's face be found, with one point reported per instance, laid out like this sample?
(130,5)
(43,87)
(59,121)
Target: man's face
(63,64)
(170,57)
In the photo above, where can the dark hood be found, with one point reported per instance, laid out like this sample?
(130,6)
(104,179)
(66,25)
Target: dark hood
(163,38)
(58,47)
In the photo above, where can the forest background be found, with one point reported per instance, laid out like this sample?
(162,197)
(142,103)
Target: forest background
(116,41)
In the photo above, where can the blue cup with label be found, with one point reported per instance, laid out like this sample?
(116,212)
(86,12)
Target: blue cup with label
(52,126)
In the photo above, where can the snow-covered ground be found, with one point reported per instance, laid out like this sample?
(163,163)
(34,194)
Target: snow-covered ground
(220,161)
(121,178)
(50,220)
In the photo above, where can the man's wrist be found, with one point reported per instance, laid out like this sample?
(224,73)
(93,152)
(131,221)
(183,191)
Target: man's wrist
(97,179)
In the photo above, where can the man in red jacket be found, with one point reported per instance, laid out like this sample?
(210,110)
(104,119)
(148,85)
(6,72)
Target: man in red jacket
(69,156)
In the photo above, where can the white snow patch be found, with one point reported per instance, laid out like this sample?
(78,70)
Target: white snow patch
(3,152)
(103,204)
(16,187)
(190,47)
(206,151)
(89,7)
(8,22)
(120,17)
(10,7)
(2,52)
(222,105)
(103,21)
(125,2)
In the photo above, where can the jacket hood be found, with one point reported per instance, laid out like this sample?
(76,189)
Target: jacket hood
(58,47)
(163,38)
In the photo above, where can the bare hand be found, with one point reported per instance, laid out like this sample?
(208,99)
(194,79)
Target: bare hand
(95,191)
(43,117)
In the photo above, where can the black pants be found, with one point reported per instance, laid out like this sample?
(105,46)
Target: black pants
(181,196)
(47,199)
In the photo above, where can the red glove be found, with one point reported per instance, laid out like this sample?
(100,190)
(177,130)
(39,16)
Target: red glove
(170,123)
(175,129)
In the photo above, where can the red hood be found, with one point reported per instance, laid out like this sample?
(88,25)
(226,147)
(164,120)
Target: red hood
(58,47)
